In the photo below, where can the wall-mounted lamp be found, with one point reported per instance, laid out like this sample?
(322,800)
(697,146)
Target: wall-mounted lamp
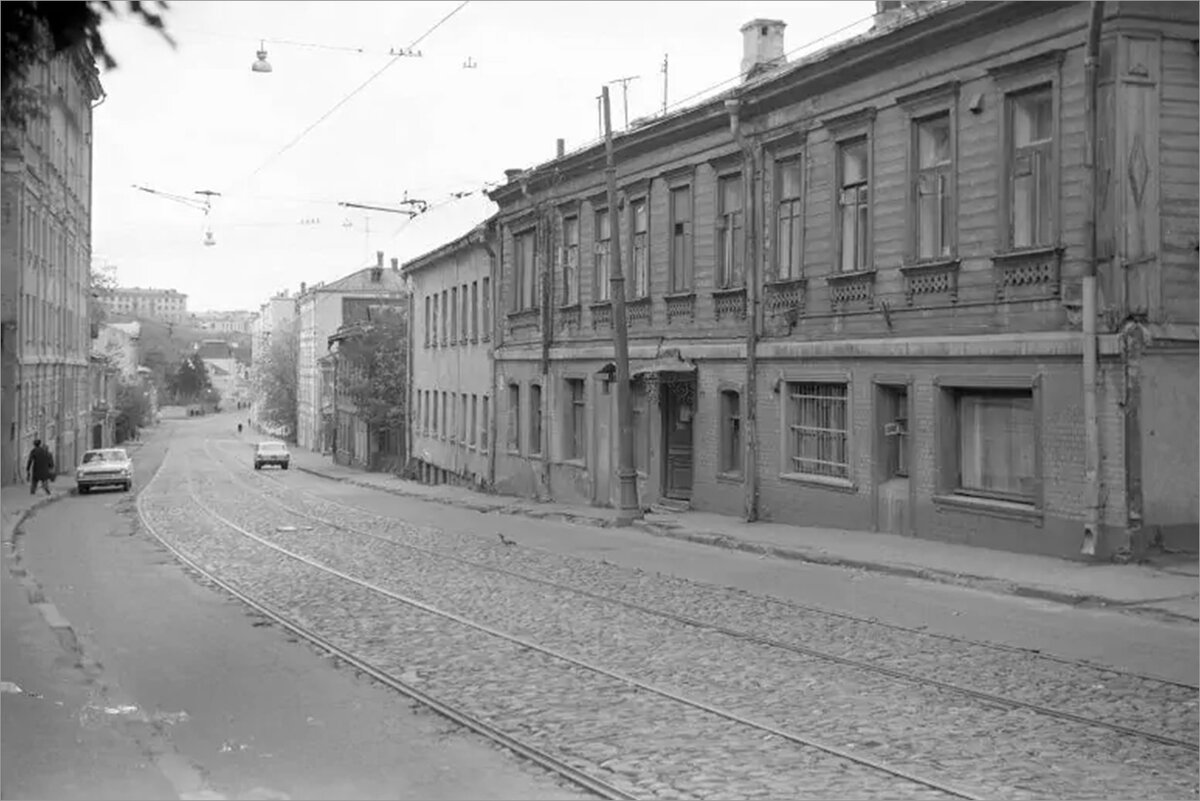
(261,65)
(976,105)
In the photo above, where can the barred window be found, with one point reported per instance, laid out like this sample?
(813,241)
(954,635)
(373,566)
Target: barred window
(818,429)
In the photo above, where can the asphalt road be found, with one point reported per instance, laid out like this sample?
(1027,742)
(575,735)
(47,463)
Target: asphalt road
(177,691)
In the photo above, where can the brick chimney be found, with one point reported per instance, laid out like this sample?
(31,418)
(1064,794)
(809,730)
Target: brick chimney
(762,47)
(512,175)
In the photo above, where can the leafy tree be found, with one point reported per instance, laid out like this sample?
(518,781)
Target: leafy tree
(35,32)
(377,380)
(103,284)
(190,381)
(275,380)
(133,410)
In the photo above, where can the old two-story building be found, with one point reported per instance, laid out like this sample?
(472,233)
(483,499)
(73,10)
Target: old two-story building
(451,335)
(859,288)
(320,311)
(374,339)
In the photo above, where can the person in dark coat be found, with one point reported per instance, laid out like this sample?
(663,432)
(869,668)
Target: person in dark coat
(39,467)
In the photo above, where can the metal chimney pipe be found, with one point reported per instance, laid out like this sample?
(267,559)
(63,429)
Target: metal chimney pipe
(561,148)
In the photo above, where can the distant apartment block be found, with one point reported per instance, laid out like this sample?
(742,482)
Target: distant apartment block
(157,304)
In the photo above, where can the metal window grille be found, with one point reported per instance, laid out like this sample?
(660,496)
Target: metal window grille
(818,431)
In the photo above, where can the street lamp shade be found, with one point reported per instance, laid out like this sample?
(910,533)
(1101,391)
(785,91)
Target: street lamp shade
(261,65)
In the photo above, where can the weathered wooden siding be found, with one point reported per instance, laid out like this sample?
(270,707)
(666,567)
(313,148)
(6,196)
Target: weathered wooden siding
(1180,165)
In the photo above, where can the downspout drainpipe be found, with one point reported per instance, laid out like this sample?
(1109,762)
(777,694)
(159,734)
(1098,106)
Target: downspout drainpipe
(1090,343)
(750,412)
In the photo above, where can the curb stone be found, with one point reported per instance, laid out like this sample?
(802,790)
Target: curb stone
(713,539)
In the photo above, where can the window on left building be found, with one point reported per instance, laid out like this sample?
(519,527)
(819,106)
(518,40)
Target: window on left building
(524,280)
(1031,167)
(817,422)
(603,251)
(639,261)
(731,251)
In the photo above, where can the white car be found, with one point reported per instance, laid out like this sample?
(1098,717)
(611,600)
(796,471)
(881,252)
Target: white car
(104,467)
(275,453)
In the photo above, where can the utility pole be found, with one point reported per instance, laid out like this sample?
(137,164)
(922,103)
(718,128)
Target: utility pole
(624,95)
(664,73)
(628,508)
(600,114)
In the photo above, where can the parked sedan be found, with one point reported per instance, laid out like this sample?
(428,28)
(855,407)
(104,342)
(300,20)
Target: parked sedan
(104,467)
(271,453)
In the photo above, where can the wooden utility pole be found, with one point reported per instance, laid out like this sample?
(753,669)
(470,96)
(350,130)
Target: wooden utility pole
(628,508)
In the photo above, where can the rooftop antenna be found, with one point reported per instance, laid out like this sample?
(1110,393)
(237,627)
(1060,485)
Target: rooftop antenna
(664,74)
(625,92)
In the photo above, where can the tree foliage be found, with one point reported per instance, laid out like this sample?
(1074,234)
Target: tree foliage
(190,382)
(133,410)
(275,380)
(103,284)
(377,378)
(35,32)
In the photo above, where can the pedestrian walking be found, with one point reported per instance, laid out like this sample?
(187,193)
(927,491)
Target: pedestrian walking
(39,467)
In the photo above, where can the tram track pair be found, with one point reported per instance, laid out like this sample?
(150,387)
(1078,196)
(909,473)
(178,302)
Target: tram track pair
(892,673)
(546,760)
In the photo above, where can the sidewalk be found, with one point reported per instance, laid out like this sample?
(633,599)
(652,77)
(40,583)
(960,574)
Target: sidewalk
(1168,588)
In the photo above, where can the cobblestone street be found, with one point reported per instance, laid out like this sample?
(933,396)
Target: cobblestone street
(662,687)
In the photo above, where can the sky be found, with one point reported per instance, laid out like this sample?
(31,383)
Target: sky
(195,118)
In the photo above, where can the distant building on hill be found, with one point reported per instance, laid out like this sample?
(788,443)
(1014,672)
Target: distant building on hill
(158,304)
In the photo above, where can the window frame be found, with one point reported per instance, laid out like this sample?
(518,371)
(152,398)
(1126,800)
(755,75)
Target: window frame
(845,130)
(729,232)
(921,107)
(725,468)
(786,472)
(780,156)
(569,259)
(485,424)
(638,289)
(524,286)
(464,335)
(948,390)
(1011,80)
(683,280)
(601,287)
(485,308)
(474,311)
(536,419)
(513,420)
(574,450)
(454,320)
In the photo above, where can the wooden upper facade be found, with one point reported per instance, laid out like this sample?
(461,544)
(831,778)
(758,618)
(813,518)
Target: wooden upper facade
(925,179)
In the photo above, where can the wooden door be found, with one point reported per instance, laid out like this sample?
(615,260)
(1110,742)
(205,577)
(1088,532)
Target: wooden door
(678,411)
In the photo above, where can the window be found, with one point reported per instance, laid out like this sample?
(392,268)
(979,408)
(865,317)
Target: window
(575,442)
(996,444)
(523,271)
(895,431)
(570,261)
(454,316)
(932,196)
(639,256)
(731,432)
(462,418)
(474,420)
(486,314)
(1031,167)
(435,413)
(535,419)
(731,251)
(465,333)
(817,424)
(452,421)
(681,239)
(474,311)
(447,425)
(514,417)
(485,426)
(445,314)
(603,251)
(852,205)
(425,412)
(789,216)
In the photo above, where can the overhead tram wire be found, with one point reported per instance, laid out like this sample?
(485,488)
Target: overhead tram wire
(401,54)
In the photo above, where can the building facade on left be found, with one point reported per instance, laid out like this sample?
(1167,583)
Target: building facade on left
(45,241)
